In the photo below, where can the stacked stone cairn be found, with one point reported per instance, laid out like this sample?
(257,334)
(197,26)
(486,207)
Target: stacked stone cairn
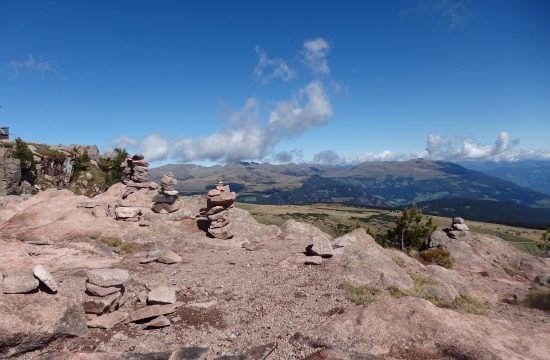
(219,200)
(135,175)
(458,228)
(167,201)
(105,290)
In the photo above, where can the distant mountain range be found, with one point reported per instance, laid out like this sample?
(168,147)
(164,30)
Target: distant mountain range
(527,173)
(387,184)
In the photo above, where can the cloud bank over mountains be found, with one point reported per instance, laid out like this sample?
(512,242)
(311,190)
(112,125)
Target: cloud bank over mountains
(457,148)
(253,131)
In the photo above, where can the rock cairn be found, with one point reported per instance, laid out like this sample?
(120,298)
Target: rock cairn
(135,171)
(458,228)
(167,201)
(219,200)
(135,175)
(105,290)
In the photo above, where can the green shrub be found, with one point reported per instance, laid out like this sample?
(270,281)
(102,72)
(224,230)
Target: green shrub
(26,159)
(112,166)
(411,229)
(360,295)
(440,257)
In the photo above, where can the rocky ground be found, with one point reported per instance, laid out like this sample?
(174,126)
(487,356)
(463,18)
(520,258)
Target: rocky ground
(258,295)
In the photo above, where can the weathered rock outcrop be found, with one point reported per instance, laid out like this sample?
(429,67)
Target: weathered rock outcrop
(418,328)
(35,320)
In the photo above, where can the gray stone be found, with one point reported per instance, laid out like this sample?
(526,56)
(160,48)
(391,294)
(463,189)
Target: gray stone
(171,192)
(158,322)
(320,247)
(164,198)
(108,277)
(190,353)
(43,274)
(168,207)
(30,322)
(458,220)
(90,204)
(102,291)
(162,295)
(107,321)
(168,257)
(152,311)
(10,175)
(19,283)
(460,227)
(456,234)
(313,260)
(127,212)
(99,304)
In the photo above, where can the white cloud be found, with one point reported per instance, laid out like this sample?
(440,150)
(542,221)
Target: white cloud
(327,157)
(385,155)
(466,148)
(154,148)
(452,13)
(268,69)
(124,142)
(248,138)
(457,148)
(315,54)
(29,65)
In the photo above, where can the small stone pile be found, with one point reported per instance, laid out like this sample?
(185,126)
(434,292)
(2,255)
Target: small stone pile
(105,288)
(135,175)
(458,228)
(135,171)
(219,200)
(22,282)
(167,201)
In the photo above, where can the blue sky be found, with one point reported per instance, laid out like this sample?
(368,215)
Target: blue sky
(342,81)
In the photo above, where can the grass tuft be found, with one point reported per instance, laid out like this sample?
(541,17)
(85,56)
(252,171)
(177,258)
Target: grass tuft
(441,257)
(125,248)
(360,295)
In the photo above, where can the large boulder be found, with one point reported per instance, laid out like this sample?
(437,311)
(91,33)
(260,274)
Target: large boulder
(392,328)
(29,322)
(365,263)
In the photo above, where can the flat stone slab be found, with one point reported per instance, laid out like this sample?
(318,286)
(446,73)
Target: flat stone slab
(127,212)
(44,275)
(152,311)
(19,283)
(162,295)
(108,277)
(313,260)
(87,204)
(107,321)
(102,291)
(168,257)
(38,242)
(158,322)
(100,304)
